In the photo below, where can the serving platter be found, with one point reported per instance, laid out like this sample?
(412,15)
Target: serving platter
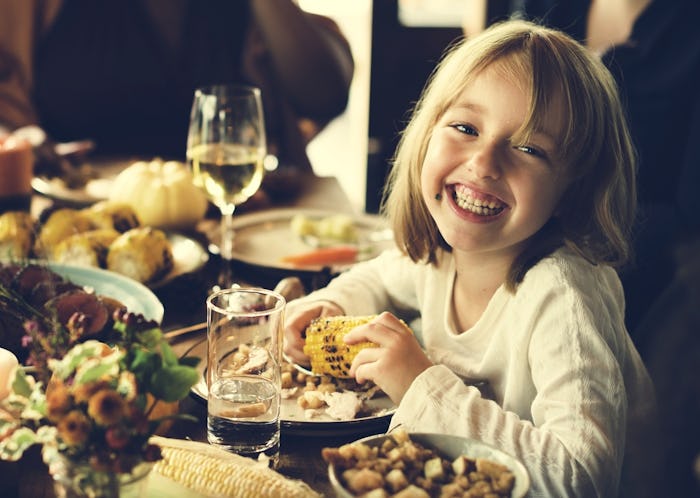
(293,419)
(264,238)
(189,256)
(135,296)
(100,174)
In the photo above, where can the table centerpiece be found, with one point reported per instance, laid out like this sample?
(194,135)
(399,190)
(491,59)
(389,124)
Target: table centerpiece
(90,399)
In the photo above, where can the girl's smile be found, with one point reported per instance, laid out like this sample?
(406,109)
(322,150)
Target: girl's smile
(481,205)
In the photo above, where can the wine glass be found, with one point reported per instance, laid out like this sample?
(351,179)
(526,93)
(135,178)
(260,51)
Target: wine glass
(226,148)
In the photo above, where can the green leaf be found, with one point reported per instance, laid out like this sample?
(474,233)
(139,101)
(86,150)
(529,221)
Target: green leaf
(169,356)
(173,383)
(21,385)
(144,362)
(150,337)
(13,447)
(95,372)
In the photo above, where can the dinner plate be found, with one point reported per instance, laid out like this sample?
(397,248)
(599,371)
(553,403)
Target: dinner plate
(292,417)
(188,256)
(264,238)
(102,172)
(135,296)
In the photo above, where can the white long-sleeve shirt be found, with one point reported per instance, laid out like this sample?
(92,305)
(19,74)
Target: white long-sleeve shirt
(566,383)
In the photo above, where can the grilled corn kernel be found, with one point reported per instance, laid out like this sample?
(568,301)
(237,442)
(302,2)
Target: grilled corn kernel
(86,248)
(60,225)
(325,347)
(144,254)
(112,215)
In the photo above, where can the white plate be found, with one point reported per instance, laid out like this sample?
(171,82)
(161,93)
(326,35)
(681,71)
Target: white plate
(292,416)
(188,256)
(96,189)
(135,296)
(264,238)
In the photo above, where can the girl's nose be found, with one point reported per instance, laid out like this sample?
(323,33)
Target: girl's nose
(484,162)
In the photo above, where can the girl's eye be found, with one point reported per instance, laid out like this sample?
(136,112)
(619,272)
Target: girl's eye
(533,151)
(466,129)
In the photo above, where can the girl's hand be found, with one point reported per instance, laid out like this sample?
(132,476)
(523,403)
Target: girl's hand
(397,361)
(299,315)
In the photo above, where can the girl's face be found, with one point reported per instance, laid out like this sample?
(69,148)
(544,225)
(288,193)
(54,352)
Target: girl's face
(495,193)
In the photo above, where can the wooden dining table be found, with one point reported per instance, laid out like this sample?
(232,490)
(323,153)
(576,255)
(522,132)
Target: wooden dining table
(184,304)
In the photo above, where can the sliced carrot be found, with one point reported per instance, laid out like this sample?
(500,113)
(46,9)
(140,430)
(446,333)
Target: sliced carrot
(323,256)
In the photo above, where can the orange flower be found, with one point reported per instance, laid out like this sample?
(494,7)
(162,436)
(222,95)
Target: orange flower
(58,400)
(74,428)
(106,407)
(83,392)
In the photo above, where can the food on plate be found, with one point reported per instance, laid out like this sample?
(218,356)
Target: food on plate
(338,228)
(85,249)
(144,254)
(211,471)
(117,216)
(34,293)
(163,194)
(325,347)
(323,256)
(401,467)
(16,235)
(328,397)
(59,225)
(86,237)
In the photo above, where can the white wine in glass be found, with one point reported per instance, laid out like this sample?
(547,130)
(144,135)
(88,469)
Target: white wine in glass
(226,147)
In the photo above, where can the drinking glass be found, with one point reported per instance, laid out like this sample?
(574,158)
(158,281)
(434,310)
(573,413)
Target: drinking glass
(244,351)
(226,147)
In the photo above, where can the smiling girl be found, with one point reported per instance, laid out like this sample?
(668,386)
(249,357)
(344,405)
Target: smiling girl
(511,197)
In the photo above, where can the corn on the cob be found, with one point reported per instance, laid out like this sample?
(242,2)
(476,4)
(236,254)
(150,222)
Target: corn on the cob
(86,248)
(213,472)
(61,224)
(117,216)
(144,254)
(325,347)
(16,235)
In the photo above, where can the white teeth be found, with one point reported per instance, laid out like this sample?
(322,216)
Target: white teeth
(477,206)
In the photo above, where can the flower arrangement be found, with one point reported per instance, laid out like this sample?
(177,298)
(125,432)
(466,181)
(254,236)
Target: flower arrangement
(88,399)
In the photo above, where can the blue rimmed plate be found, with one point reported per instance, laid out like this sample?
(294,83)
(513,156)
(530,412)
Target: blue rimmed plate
(135,296)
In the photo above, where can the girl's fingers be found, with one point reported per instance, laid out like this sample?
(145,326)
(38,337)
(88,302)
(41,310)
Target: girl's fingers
(297,320)
(379,330)
(361,365)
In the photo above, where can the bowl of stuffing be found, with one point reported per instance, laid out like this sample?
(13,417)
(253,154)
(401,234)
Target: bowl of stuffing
(423,465)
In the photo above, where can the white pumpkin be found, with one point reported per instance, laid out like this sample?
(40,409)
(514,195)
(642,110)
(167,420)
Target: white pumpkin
(162,194)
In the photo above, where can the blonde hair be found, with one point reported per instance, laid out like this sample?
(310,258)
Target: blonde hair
(596,212)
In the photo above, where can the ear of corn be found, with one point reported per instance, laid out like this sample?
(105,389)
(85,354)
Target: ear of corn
(16,235)
(325,347)
(143,253)
(210,471)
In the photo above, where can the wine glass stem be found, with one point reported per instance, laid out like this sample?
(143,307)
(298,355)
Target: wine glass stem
(227,241)
(227,233)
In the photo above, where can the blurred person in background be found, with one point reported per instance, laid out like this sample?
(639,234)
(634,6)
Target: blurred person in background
(123,72)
